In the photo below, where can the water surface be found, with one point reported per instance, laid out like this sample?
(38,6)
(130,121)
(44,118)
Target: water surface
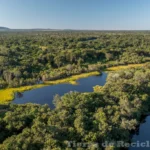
(143,135)
(45,94)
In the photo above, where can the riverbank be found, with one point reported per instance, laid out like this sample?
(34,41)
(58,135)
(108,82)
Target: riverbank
(6,95)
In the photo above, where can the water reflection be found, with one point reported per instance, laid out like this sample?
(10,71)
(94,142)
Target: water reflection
(19,95)
(45,94)
(142,135)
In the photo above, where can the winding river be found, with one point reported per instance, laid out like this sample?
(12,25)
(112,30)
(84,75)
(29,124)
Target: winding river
(45,95)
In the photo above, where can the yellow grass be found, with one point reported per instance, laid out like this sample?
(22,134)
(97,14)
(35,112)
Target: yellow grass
(72,79)
(124,67)
(8,94)
(43,47)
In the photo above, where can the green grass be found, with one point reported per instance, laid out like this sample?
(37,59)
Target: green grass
(6,95)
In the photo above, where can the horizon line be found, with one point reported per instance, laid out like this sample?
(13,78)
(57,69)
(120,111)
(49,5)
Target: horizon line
(7,28)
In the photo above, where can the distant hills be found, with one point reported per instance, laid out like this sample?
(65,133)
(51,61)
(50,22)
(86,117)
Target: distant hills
(34,29)
(38,29)
(48,29)
(4,28)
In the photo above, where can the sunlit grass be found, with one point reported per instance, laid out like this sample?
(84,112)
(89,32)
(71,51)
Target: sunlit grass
(72,79)
(124,67)
(6,95)
(43,47)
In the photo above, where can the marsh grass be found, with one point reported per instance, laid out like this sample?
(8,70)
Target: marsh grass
(6,95)
(116,68)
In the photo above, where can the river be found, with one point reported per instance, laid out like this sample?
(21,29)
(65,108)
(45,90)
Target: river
(46,94)
(142,136)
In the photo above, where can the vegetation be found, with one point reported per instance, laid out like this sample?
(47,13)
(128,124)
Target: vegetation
(116,68)
(6,95)
(108,114)
(26,58)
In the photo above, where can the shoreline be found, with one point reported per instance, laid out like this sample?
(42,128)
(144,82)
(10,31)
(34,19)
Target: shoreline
(8,94)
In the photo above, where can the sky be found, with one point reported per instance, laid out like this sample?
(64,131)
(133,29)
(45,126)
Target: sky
(76,14)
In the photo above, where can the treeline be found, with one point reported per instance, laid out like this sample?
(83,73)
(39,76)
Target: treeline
(29,57)
(109,114)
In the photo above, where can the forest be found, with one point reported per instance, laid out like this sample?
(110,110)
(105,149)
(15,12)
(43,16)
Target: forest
(110,113)
(26,58)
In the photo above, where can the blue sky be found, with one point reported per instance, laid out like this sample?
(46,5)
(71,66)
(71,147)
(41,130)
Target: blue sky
(76,14)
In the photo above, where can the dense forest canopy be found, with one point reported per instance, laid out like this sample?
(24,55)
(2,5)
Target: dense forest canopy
(109,113)
(29,57)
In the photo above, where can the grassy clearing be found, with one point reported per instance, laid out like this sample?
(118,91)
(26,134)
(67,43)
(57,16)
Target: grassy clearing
(6,95)
(125,67)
